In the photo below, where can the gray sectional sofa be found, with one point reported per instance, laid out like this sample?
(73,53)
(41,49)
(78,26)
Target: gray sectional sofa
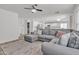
(50,48)
(43,38)
(72,47)
(46,36)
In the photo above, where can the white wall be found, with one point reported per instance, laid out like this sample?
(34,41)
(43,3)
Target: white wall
(43,19)
(77,21)
(8,26)
(21,22)
(75,18)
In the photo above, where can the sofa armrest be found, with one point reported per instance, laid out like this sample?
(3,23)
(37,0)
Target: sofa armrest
(55,40)
(54,49)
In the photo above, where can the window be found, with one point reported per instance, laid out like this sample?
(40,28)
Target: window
(63,25)
(58,25)
(55,25)
(77,22)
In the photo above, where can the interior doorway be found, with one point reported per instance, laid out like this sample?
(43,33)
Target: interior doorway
(28,27)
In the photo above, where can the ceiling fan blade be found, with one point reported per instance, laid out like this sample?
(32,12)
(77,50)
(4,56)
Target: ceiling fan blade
(35,4)
(39,10)
(28,8)
(33,7)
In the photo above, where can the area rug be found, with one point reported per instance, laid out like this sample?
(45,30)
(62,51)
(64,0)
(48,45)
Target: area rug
(22,47)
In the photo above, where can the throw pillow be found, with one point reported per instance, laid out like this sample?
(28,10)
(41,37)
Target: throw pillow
(72,40)
(59,34)
(77,44)
(77,41)
(64,39)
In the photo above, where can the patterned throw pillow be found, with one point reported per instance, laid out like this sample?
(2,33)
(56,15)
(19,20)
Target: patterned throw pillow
(77,44)
(72,41)
(59,34)
(77,41)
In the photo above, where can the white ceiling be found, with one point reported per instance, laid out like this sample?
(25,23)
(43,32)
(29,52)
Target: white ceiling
(48,9)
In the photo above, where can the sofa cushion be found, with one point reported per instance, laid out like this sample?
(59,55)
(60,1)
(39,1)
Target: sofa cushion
(52,32)
(64,39)
(77,41)
(59,34)
(77,44)
(45,32)
(46,36)
(72,40)
(49,36)
(41,36)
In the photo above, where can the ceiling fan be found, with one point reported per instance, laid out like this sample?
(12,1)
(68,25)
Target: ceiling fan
(34,9)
